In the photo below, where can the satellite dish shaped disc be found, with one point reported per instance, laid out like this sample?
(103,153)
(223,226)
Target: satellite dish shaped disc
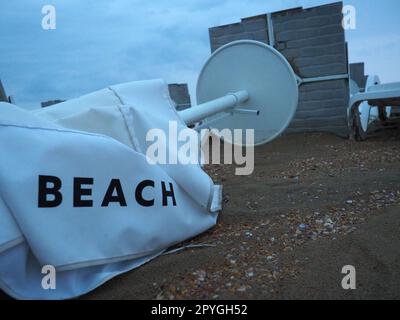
(268,78)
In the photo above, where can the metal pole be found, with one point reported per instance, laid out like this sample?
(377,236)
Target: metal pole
(202,111)
(271,34)
(300,81)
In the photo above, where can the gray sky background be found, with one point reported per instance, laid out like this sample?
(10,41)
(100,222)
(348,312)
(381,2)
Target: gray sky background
(98,43)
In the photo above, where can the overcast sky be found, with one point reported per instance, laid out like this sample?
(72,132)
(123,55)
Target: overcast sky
(103,42)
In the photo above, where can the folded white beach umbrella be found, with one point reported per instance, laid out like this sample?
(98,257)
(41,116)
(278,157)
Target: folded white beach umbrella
(77,192)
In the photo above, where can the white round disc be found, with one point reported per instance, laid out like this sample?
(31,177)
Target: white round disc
(268,78)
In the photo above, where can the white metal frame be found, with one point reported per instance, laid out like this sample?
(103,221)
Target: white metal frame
(382,95)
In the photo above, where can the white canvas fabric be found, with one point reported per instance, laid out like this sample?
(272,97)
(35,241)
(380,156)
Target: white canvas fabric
(99,138)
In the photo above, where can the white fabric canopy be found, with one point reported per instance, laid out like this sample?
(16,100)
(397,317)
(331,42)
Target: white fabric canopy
(99,139)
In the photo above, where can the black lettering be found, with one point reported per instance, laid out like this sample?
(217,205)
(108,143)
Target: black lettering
(44,190)
(167,194)
(115,184)
(79,192)
(139,190)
